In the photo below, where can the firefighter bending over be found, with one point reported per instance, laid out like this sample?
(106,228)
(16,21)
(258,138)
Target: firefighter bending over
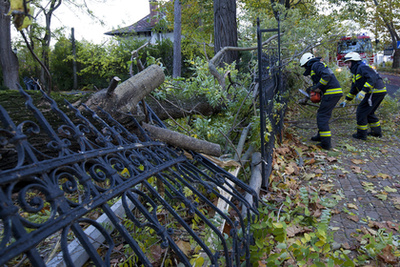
(368,87)
(325,83)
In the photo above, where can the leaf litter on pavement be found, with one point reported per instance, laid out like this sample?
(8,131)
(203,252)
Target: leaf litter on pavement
(297,164)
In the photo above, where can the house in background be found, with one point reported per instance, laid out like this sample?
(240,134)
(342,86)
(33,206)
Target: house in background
(144,28)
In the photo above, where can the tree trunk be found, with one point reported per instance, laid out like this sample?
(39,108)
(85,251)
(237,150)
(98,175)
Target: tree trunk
(45,72)
(8,59)
(225,29)
(177,66)
(183,141)
(396,59)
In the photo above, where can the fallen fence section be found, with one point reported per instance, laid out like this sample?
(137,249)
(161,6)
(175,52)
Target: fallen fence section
(76,180)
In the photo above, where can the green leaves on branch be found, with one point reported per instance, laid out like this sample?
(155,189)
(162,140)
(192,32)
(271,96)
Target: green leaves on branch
(288,237)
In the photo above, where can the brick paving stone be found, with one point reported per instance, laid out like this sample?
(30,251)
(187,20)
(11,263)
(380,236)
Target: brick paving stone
(372,214)
(377,204)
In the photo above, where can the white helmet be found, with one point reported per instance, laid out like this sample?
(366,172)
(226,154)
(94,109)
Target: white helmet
(305,58)
(354,56)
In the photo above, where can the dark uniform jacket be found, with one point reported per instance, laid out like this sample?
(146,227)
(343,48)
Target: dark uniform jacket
(366,79)
(323,77)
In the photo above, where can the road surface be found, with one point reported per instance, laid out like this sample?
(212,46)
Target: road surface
(392,84)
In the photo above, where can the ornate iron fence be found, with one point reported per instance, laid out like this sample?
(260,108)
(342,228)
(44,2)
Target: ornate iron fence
(77,188)
(273,96)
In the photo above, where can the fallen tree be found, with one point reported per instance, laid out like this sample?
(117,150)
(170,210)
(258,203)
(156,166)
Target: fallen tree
(127,95)
(125,98)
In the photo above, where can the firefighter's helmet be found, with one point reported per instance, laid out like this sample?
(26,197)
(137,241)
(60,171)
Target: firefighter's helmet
(305,58)
(352,56)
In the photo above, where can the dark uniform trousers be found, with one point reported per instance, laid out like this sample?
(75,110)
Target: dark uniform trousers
(366,115)
(328,103)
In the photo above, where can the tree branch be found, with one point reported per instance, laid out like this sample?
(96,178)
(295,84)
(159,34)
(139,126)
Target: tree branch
(212,63)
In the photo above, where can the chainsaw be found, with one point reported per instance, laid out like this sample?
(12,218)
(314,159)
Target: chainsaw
(313,96)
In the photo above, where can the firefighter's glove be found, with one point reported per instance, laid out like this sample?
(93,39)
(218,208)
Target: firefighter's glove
(360,96)
(311,88)
(343,104)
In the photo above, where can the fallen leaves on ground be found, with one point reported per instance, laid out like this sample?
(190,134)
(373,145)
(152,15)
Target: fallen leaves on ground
(356,169)
(357,161)
(387,255)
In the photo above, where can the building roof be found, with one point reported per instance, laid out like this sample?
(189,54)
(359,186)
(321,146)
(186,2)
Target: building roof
(146,24)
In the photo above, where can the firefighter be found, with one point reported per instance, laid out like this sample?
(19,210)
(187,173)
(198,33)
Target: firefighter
(325,83)
(368,87)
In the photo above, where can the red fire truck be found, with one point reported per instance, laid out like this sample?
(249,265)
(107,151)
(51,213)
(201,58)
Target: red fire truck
(357,43)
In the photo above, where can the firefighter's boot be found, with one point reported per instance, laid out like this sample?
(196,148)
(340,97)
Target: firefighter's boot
(325,143)
(375,131)
(316,137)
(361,134)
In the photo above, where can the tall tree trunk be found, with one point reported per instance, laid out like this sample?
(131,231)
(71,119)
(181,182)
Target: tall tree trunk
(389,24)
(177,66)
(225,29)
(8,59)
(396,59)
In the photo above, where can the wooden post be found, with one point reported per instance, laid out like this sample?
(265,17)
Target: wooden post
(75,85)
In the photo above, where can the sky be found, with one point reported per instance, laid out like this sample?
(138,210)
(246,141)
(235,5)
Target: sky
(115,14)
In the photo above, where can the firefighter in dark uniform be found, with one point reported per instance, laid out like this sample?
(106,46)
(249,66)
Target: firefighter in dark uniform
(369,87)
(325,83)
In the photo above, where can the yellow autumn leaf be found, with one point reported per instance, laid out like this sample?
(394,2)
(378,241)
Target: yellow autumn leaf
(352,206)
(184,246)
(382,195)
(384,176)
(16,5)
(278,225)
(307,237)
(390,190)
(367,184)
(198,262)
(125,173)
(369,187)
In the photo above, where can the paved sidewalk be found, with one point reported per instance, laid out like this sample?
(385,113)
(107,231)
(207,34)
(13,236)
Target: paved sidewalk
(372,185)
(366,178)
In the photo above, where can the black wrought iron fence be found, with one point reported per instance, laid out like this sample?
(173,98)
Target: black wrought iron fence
(78,188)
(272,95)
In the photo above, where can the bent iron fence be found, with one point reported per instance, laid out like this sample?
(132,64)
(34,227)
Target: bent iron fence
(77,186)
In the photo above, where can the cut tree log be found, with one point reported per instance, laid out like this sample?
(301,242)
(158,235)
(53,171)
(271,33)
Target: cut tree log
(182,141)
(255,180)
(126,96)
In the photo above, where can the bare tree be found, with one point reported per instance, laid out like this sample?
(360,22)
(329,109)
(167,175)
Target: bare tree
(48,11)
(8,59)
